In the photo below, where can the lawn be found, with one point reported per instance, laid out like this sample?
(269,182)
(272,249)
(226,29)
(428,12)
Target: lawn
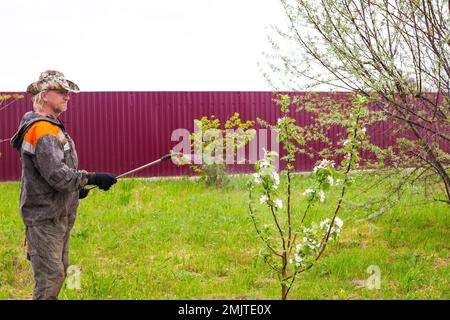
(177,239)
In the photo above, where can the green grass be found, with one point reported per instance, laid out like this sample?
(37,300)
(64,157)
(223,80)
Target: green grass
(176,239)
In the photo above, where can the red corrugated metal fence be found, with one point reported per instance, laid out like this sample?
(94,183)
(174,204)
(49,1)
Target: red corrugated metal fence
(118,131)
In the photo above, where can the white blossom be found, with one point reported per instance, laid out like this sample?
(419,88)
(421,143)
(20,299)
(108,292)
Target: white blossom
(321,196)
(364,130)
(280,120)
(324,164)
(335,230)
(325,223)
(278,203)
(339,222)
(263,199)
(276,177)
(257,178)
(330,180)
(307,192)
(290,261)
(306,230)
(346,142)
(264,163)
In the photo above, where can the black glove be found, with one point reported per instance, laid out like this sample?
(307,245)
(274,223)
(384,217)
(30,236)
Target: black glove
(83,193)
(102,179)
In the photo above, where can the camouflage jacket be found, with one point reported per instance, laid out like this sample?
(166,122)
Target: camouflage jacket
(50,180)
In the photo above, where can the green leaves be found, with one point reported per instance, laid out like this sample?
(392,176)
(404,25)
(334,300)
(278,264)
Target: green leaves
(214,142)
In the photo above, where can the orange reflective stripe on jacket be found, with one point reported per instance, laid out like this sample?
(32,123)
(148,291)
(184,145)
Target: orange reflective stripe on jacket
(39,130)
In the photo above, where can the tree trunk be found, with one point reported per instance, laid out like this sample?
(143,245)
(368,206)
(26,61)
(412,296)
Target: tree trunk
(284,288)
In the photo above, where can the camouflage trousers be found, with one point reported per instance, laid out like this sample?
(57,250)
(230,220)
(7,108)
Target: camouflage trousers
(49,255)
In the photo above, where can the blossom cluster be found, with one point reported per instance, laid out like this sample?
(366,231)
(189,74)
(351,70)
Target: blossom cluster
(326,177)
(267,176)
(265,200)
(313,193)
(324,164)
(335,229)
(281,120)
(311,243)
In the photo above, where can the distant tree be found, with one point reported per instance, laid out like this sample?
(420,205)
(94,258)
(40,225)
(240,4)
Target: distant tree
(214,142)
(396,53)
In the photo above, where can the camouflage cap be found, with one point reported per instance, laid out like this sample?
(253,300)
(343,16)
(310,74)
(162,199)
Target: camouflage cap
(52,80)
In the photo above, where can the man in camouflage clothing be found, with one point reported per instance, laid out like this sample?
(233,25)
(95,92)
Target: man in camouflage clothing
(51,183)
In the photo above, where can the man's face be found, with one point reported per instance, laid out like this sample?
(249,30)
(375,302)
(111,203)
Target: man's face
(57,100)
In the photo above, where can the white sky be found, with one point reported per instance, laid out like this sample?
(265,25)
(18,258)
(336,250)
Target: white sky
(110,45)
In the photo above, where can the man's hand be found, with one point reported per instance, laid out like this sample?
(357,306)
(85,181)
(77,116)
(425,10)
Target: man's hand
(102,179)
(83,193)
